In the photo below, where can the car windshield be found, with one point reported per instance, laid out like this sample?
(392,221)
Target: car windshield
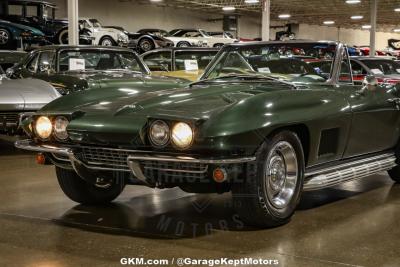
(95,23)
(284,61)
(100,60)
(383,66)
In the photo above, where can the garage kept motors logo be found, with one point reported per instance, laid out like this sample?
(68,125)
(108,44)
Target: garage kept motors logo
(394,43)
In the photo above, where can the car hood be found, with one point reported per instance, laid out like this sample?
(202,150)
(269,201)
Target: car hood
(130,108)
(26,94)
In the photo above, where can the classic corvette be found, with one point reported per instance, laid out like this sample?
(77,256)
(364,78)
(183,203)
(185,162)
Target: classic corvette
(202,35)
(74,68)
(177,41)
(186,62)
(260,123)
(149,39)
(20,98)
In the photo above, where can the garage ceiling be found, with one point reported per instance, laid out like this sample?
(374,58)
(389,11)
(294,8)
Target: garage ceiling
(303,11)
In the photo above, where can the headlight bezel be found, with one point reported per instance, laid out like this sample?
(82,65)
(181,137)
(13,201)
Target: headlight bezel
(151,135)
(56,136)
(172,143)
(52,118)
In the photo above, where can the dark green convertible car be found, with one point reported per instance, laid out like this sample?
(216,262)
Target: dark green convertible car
(74,68)
(261,123)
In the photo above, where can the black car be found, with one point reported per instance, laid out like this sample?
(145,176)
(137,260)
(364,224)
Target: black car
(149,39)
(40,15)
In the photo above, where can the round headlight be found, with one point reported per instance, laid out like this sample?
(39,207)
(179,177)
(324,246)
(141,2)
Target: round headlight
(182,135)
(60,128)
(159,133)
(43,127)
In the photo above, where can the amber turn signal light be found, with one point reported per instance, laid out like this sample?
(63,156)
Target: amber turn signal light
(219,175)
(40,159)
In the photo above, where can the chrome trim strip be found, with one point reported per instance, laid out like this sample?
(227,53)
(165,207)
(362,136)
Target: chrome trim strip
(348,164)
(204,170)
(350,171)
(164,158)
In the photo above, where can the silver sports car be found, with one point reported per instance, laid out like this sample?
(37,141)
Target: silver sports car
(19,98)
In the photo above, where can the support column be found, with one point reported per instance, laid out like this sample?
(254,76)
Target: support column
(266,19)
(372,38)
(73,22)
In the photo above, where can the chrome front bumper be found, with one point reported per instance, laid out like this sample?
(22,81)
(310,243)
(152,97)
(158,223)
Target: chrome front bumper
(135,160)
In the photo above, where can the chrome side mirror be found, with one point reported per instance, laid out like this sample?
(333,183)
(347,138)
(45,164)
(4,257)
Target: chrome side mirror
(370,83)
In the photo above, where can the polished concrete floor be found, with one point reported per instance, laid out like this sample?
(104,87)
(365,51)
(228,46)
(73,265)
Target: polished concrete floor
(356,224)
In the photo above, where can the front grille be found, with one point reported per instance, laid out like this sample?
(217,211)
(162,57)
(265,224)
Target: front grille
(173,172)
(10,117)
(103,157)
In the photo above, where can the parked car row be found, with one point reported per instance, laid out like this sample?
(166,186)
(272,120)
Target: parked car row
(265,121)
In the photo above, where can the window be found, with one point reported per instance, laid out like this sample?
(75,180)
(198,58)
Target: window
(32,65)
(46,62)
(99,60)
(345,74)
(201,57)
(16,10)
(32,11)
(159,61)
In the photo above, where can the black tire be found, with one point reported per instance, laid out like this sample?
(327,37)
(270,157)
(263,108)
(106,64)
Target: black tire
(107,41)
(82,192)
(252,202)
(218,45)
(146,45)
(5,38)
(183,44)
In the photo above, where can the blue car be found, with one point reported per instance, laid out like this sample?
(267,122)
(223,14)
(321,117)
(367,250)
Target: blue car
(11,35)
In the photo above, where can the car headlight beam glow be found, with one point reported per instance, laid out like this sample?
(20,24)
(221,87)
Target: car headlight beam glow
(182,135)
(43,127)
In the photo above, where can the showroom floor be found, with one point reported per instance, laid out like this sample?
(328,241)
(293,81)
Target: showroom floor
(356,224)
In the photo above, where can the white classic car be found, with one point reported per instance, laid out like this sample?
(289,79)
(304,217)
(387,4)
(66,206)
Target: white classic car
(178,41)
(202,35)
(106,36)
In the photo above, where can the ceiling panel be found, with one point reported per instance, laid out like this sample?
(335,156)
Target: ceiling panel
(301,11)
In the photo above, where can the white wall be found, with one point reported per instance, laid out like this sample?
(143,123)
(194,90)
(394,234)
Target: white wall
(133,16)
(349,36)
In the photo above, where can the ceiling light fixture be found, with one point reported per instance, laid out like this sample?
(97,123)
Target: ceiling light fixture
(396,30)
(366,27)
(251,1)
(156,1)
(329,22)
(397,9)
(229,8)
(357,17)
(284,16)
(352,2)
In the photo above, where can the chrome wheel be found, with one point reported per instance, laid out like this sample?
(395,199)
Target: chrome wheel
(281,174)
(146,45)
(107,42)
(4,37)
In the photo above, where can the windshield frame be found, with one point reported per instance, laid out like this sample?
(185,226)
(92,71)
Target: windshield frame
(145,69)
(335,68)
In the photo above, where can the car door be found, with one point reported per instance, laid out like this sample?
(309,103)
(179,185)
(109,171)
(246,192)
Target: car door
(375,119)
